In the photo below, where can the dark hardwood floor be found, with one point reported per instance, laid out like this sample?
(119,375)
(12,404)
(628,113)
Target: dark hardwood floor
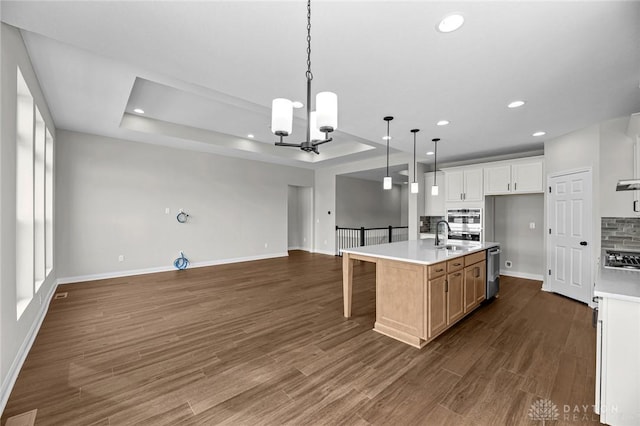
(265,342)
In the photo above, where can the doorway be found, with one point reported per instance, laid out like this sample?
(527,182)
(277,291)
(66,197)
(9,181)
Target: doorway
(570,257)
(299,217)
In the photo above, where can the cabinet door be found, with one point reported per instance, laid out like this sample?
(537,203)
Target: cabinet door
(497,179)
(454,185)
(434,204)
(481,281)
(473,185)
(436,306)
(400,290)
(470,288)
(528,177)
(455,296)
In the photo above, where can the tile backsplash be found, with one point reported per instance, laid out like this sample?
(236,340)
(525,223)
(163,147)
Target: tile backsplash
(621,233)
(429,223)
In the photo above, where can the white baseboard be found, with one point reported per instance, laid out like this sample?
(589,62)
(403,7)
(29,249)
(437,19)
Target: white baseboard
(21,355)
(327,252)
(300,248)
(132,272)
(525,275)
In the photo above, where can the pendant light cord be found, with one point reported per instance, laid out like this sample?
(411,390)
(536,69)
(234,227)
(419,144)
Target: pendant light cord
(414,156)
(388,147)
(435,163)
(309,74)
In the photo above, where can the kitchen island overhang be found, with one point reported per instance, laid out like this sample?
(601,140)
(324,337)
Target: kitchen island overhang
(421,290)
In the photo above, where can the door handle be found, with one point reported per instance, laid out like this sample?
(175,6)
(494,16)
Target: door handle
(583,243)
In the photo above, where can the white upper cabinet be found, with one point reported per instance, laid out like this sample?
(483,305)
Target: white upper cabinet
(434,204)
(514,177)
(463,185)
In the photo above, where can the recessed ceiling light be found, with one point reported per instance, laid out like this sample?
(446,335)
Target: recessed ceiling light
(516,104)
(138,111)
(430,153)
(250,136)
(297,104)
(450,23)
(386,138)
(442,123)
(539,133)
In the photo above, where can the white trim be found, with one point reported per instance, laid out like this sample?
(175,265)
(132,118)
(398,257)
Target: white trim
(327,252)
(118,274)
(567,172)
(20,357)
(525,275)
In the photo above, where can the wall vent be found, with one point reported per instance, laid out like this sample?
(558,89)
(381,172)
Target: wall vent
(61,295)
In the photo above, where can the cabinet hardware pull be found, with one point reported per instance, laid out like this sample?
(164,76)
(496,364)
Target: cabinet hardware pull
(457,264)
(461,195)
(635,206)
(446,286)
(439,270)
(457,274)
(477,270)
(515,186)
(508,186)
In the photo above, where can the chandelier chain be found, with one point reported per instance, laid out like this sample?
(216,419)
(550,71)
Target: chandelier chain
(309,74)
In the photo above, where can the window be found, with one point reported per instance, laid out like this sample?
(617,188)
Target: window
(39,200)
(24,195)
(48,204)
(34,197)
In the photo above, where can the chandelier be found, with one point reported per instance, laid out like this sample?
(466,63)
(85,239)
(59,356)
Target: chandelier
(319,123)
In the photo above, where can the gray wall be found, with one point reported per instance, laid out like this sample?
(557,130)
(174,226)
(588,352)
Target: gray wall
(362,202)
(16,334)
(112,196)
(523,246)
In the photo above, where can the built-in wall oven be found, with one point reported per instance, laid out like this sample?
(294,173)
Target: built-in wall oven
(465,224)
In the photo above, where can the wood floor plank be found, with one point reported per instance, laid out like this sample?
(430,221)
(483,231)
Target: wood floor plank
(265,343)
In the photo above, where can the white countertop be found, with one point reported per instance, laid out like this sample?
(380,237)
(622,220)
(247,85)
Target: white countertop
(618,284)
(421,251)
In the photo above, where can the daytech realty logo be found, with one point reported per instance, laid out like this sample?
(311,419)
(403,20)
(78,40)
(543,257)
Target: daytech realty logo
(544,410)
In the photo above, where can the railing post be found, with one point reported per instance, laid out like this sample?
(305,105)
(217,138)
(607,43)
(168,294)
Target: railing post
(362,236)
(390,233)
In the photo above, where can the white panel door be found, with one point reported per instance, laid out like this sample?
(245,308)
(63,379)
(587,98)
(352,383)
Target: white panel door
(569,243)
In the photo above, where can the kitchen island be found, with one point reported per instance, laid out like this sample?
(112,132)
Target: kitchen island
(421,290)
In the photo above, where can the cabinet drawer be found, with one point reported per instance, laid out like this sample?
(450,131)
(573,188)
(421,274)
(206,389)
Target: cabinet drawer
(437,270)
(455,264)
(470,259)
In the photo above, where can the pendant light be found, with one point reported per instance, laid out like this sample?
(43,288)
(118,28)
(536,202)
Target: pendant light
(414,184)
(319,123)
(387,183)
(434,188)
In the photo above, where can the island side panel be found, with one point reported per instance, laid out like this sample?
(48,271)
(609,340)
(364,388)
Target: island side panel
(400,290)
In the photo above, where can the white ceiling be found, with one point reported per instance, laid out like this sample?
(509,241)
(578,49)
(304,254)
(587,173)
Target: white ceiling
(205,72)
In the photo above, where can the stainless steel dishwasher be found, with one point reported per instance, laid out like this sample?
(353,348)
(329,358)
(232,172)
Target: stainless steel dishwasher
(493,271)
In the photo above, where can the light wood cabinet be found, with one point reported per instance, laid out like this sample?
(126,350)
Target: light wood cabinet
(455,297)
(463,185)
(474,285)
(436,306)
(415,303)
(514,177)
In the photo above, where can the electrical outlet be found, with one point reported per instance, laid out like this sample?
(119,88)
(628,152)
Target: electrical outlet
(266,245)
(167,210)
(508,263)
(121,258)
(532,225)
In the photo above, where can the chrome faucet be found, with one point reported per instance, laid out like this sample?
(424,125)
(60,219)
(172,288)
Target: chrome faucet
(446,229)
